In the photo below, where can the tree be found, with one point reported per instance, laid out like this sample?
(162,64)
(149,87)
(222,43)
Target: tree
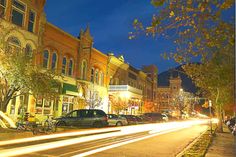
(201,31)
(93,99)
(19,76)
(118,103)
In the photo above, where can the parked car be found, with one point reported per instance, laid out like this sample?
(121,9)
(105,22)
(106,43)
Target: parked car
(83,117)
(116,120)
(139,119)
(156,117)
(130,119)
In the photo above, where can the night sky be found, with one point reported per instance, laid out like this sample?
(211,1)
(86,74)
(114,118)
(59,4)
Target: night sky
(110,21)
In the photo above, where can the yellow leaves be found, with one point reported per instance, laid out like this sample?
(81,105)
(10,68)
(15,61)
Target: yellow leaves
(157,3)
(227,4)
(172,14)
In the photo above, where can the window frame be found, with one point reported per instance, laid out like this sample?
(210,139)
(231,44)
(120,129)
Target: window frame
(47,58)
(35,15)
(92,75)
(31,50)
(63,67)
(101,78)
(55,66)
(71,69)
(96,76)
(19,11)
(4,8)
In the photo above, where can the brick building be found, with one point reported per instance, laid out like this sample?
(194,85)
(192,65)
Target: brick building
(90,77)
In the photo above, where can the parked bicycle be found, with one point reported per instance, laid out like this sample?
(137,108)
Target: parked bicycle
(48,126)
(23,124)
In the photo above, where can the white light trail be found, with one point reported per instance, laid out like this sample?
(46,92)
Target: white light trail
(151,128)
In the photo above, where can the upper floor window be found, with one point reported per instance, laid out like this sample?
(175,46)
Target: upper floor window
(83,70)
(28,50)
(2,8)
(96,76)
(18,12)
(92,75)
(101,80)
(31,21)
(64,66)
(70,72)
(54,61)
(45,58)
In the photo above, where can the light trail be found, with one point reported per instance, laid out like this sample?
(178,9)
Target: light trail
(67,134)
(152,128)
(124,143)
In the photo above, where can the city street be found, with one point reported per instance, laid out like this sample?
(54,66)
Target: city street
(170,139)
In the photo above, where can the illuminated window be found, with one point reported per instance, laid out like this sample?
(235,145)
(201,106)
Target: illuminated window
(31,21)
(45,58)
(96,76)
(92,75)
(64,66)
(2,8)
(71,67)
(28,50)
(101,79)
(54,61)
(18,12)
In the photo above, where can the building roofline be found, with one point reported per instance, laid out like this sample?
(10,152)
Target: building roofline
(62,31)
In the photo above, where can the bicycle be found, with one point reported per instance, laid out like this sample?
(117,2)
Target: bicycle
(48,126)
(26,126)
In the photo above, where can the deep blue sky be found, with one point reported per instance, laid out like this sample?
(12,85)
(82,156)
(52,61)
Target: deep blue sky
(110,22)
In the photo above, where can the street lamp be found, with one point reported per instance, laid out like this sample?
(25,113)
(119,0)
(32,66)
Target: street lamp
(210,105)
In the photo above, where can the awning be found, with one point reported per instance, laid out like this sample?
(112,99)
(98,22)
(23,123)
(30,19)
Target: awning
(70,89)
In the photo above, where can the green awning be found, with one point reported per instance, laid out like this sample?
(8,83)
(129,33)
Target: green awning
(69,87)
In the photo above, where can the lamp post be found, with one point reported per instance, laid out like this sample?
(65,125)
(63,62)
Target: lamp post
(210,105)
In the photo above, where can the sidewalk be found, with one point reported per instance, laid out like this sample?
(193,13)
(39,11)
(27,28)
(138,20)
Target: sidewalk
(223,145)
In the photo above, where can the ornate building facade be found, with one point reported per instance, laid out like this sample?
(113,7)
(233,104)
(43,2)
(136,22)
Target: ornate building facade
(166,96)
(91,79)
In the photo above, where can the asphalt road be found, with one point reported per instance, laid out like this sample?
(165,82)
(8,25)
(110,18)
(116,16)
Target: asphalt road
(141,144)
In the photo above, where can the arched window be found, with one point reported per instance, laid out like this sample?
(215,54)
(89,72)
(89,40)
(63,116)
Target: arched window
(96,76)
(14,45)
(54,61)
(63,66)
(117,81)
(84,70)
(111,81)
(70,67)
(45,58)
(92,75)
(28,50)
(101,79)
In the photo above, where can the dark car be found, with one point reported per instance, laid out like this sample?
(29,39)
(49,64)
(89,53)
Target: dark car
(84,117)
(131,119)
(155,117)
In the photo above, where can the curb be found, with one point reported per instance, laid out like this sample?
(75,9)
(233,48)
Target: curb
(191,144)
